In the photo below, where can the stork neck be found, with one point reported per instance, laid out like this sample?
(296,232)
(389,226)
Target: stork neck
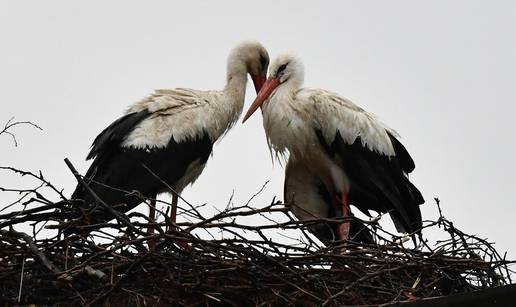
(236,80)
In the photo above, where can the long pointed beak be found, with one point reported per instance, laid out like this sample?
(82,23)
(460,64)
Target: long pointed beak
(268,87)
(258,81)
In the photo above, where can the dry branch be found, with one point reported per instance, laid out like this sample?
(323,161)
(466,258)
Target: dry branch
(232,259)
(11,124)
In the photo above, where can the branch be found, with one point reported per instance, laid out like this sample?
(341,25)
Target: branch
(11,123)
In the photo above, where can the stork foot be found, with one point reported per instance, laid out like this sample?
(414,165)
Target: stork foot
(343,231)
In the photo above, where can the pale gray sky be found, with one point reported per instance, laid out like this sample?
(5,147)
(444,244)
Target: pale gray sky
(441,73)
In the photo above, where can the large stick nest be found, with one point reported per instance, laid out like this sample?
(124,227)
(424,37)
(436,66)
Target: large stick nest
(239,256)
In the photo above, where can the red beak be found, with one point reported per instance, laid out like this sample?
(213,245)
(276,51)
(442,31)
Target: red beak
(268,87)
(258,81)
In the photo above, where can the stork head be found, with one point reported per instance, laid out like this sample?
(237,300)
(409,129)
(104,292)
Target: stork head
(286,70)
(254,57)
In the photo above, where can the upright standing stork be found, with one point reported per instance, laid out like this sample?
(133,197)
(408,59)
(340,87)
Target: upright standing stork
(335,144)
(169,135)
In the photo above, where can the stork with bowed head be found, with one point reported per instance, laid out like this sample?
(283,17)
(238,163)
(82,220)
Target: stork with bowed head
(337,147)
(165,140)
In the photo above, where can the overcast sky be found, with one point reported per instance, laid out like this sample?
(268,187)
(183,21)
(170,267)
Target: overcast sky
(443,74)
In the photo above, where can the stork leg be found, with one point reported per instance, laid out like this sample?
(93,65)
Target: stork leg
(173,216)
(343,229)
(173,209)
(152,218)
(340,202)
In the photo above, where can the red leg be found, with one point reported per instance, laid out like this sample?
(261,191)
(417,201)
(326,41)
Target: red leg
(173,212)
(152,219)
(343,229)
(173,216)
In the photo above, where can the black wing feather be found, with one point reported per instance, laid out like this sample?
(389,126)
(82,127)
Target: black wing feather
(117,170)
(404,158)
(114,134)
(123,172)
(378,182)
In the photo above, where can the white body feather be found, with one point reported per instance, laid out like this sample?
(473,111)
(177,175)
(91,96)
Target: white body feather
(183,114)
(301,190)
(291,117)
(290,121)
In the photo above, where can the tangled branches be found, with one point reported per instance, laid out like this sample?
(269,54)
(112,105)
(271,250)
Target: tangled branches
(242,256)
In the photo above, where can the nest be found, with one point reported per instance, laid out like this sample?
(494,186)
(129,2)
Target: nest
(240,256)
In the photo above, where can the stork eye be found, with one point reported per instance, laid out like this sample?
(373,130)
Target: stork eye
(282,68)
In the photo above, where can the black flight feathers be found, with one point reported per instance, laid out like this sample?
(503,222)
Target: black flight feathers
(115,133)
(404,158)
(117,171)
(379,182)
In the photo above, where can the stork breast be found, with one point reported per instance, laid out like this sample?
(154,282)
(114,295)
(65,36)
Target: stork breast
(286,130)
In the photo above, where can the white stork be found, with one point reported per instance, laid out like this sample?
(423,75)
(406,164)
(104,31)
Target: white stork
(170,133)
(336,146)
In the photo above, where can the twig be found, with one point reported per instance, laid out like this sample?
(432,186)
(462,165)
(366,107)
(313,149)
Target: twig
(21,279)
(11,123)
